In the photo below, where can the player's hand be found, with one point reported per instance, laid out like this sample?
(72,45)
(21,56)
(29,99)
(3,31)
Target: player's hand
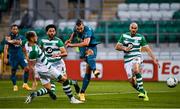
(55,55)
(17,42)
(126,49)
(68,41)
(5,60)
(69,45)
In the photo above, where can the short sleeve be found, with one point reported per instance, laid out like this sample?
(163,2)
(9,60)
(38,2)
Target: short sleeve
(24,42)
(33,55)
(143,41)
(60,43)
(41,44)
(121,39)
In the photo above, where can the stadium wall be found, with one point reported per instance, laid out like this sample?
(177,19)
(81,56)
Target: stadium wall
(114,70)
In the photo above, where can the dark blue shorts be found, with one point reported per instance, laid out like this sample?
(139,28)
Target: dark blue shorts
(91,59)
(15,61)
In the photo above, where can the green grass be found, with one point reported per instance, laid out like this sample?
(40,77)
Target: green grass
(100,94)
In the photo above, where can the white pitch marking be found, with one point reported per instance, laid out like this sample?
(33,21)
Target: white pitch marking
(93,94)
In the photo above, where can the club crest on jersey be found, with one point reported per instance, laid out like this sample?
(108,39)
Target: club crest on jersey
(49,50)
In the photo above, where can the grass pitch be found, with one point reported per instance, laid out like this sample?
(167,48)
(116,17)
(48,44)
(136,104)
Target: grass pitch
(100,94)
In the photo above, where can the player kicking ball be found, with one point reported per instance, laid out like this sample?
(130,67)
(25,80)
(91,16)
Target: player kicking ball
(48,72)
(131,43)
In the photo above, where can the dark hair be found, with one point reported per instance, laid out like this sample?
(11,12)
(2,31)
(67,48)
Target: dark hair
(14,25)
(30,34)
(79,22)
(50,26)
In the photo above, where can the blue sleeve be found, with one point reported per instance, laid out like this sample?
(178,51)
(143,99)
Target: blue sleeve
(74,29)
(23,38)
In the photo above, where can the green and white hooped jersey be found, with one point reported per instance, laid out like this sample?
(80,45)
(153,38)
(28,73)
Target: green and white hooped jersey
(138,41)
(35,53)
(51,47)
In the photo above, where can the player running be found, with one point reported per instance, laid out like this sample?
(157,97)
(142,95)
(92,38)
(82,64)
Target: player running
(54,50)
(16,57)
(39,62)
(88,52)
(131,43)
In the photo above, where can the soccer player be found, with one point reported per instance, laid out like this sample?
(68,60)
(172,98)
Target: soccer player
(46,71)
(54,50)
(16,57)
(130,43)
(88,52)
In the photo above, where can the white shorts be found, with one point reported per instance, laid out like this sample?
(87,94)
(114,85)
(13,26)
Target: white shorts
(129,66)
(60,66)
(46,74)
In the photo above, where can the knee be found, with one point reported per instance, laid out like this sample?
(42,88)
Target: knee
(136,70)
(63,79)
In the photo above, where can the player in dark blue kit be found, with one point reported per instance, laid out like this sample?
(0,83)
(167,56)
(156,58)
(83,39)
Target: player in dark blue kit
(16,56)
(88,52)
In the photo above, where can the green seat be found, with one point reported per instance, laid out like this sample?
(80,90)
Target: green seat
(151,38)
(162,38)
(23,31)
(172,38)
(40,32)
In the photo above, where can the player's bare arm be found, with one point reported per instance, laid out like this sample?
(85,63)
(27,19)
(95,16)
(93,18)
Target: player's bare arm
(63,53)
(150,53)
(70,39)
(82,44)
(120,47)
(25,53)
(6,47)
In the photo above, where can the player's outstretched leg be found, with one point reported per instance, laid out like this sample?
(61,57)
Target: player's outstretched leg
(13,79)
(25,77)
(76,86)
(86,81)
(143,93)
(68,92)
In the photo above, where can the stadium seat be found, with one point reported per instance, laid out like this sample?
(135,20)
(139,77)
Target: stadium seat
(162,38)
(164,6)
(124,15)
(167,15)
(47,22)
(151,38)
(134,15)
(17,22)
(172,38)
(143,7)
(123,7)
(39,23)
(23,31)
(145,16)
(92,24)
(70,24)
(154,6)
(133,7)
(40,32)
(156,15)
(175,6)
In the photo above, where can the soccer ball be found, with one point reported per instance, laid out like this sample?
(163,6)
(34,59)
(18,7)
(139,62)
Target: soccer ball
(172,82)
